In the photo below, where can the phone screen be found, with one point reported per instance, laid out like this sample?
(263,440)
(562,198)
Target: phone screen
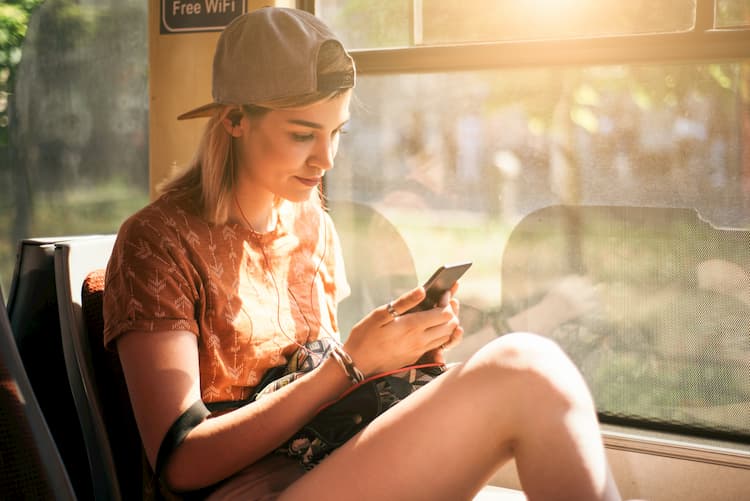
(440,281)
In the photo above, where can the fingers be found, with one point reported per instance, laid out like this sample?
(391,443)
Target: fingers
(444,299)
(437,353)
(424,320)
(430,331)
(393,309)
(455,338)
(447,310)
(445,330)
(412,298)
(455,306)
(446,342)
(434,324)
(450,293)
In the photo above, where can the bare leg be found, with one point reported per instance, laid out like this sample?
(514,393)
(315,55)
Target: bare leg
(519,396)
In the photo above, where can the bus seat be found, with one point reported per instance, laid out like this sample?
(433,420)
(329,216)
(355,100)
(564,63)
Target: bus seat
(32,467)
(74,260)
(35,325)
(668,301)
(379,264)
(122,430)
(380,267)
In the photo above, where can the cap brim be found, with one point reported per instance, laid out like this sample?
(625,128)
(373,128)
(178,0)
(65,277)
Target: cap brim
(206,110)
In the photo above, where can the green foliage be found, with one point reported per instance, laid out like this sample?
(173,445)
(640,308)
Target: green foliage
(14,18)
(82,67)
(67,25)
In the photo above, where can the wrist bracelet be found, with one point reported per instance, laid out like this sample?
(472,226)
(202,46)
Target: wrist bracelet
(346,363)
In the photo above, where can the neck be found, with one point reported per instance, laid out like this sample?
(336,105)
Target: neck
(258,218)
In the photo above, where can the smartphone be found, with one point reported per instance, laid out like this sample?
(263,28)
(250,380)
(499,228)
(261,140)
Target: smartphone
(440,281)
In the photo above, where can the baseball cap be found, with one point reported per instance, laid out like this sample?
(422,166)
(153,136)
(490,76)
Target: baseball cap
(268,54)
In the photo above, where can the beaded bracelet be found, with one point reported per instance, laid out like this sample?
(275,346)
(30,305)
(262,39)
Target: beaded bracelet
(346,363)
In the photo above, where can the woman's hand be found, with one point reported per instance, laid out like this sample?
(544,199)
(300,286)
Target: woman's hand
(383,341)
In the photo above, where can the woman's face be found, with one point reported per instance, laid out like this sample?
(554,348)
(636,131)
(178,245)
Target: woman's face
(285,153)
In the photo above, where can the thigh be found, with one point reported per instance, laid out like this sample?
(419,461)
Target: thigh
(519,395)
(264,480)
(433,445)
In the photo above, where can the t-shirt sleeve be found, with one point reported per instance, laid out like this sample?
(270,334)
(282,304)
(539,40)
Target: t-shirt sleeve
(150,283)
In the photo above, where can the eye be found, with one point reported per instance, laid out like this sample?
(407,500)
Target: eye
(301,138)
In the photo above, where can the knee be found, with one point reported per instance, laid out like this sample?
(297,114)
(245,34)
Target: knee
(532,365)
(524,352)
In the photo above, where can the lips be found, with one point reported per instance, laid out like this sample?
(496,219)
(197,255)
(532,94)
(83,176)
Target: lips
(309,181)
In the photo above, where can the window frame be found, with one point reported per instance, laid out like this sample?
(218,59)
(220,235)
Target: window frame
(703,42)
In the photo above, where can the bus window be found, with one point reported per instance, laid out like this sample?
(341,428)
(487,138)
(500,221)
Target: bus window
(732,13)
(74,143)
(604,205)
(394,23)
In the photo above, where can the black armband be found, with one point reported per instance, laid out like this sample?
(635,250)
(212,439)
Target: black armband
(192,417)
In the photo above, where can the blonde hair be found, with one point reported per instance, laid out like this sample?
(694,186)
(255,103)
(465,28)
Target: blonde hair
(209,180)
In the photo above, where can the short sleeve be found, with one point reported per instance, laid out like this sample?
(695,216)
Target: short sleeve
(150,284)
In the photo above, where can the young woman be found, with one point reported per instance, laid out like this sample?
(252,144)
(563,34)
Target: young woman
(236,266)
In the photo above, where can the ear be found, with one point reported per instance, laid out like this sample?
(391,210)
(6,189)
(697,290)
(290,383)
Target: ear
(232,122)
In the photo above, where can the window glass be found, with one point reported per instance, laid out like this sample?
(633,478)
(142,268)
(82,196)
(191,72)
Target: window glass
(487,20)
(363,24)
(606,207)
(732,13)
(75,132)
(391,23)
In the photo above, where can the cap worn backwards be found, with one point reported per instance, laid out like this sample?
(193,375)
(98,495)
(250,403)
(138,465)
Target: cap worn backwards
(268,54)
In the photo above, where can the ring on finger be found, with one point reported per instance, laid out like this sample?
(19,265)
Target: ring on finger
(392,310)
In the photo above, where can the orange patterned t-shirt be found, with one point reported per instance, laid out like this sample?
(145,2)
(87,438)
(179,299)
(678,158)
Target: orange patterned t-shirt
(249,298)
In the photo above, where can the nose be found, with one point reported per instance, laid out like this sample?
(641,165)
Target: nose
(323,153)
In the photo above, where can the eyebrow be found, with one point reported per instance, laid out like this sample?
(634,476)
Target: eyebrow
(305,123)
(312,125)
